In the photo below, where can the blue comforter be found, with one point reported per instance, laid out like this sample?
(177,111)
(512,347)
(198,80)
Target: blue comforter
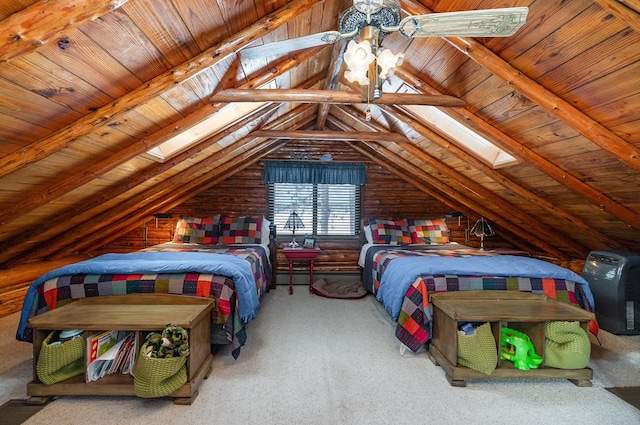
(160,262)
(402,272)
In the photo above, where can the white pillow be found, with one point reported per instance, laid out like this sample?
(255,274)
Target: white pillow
(367,233)
(266,231)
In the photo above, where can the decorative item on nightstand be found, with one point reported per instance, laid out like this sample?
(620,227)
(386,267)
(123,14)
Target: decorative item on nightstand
(309,242)
(294,222)
(482,230)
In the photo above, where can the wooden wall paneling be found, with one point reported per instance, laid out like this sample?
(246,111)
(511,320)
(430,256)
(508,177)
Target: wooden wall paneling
(497,176)
(140,177)
(517,217)
(473,203)
(223,165)
(131,181)
(154,87)
(547,167)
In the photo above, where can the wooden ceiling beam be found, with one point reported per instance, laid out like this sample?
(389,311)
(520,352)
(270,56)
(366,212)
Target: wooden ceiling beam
(164,82)
(175,190)
(53,18)
(224,167)
(595,196)
(342,136)
(330,97)
(622,11)
(547,100)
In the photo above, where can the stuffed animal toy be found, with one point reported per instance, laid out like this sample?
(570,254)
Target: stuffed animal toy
(517,347)
(172,342)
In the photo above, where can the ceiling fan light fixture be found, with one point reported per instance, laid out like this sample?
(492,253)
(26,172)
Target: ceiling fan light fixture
(358,56)
(368,7)
(388,62)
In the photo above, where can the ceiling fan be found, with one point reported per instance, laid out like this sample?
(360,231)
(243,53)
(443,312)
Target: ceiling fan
(367,22)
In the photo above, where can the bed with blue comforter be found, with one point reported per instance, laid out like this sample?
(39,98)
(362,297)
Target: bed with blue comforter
(402,277)
(235,276)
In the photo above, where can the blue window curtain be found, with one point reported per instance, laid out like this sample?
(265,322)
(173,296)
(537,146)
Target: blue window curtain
(328,172)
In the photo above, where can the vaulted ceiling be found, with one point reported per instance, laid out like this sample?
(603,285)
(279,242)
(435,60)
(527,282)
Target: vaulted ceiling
(87,88)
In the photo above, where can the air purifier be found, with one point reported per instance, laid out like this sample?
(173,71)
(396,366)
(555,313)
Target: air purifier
(614,279)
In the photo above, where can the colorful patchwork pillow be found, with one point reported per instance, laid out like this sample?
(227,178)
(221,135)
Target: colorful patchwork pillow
(428,231)
(204,230)
(390,232)
(240,230)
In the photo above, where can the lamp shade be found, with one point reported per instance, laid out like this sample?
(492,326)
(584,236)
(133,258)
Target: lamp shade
(294,222)
(482,228)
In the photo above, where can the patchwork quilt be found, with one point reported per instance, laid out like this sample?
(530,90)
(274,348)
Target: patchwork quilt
(162,269)
(404,289)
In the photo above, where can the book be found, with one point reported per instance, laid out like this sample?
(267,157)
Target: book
(115,359)
(99,343)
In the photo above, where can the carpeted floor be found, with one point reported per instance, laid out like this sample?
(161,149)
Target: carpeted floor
(312,360)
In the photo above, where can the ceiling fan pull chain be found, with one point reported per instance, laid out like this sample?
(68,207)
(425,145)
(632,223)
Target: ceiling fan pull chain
(367,109)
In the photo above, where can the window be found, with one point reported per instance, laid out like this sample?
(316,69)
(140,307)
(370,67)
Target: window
(325,209)
(465,137)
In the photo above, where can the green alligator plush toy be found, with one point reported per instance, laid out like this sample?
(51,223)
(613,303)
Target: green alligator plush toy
(517,347)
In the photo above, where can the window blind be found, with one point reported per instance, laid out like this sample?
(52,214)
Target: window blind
(325,209)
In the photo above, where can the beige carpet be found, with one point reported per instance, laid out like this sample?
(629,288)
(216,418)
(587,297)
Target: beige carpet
(314,360)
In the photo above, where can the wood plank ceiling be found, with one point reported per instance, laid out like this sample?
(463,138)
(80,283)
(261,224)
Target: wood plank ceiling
(88,87)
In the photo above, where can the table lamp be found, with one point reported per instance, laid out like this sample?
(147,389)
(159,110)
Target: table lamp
(482,229)
(294,222)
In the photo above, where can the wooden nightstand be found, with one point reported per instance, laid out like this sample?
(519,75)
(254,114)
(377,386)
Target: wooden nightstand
(300,254)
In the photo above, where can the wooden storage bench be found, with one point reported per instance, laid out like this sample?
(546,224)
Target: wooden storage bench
(522,311)
(140,313)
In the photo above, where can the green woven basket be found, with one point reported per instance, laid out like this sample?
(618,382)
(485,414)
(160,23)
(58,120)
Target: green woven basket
(567,345)
(60,361)
(158,377)
(478,351)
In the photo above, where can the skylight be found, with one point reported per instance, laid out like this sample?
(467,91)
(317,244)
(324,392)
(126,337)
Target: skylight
(467,138)
(225,116)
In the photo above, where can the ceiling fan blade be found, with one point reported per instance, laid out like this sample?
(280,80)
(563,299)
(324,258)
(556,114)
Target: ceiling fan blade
(298,43)
(472,23)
